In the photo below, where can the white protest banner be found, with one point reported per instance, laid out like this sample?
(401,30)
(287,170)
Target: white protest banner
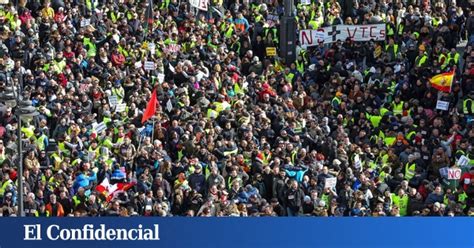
(200,4)
(442,105)
(169,105)
(463,161)
(330,182)
(120,107)
(113,100)
(309,37)
(100,127)
(305,2)
(454,173)
(149,65)
(85,22)
(161,78)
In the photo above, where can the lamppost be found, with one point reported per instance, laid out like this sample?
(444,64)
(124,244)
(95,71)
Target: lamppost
(287,33)
(22,109)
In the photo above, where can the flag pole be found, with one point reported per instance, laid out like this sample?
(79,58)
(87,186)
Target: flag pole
(153,130)
(140,142)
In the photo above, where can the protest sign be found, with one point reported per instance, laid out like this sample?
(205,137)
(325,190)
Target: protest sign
(149,65)
(113,100)
(120,107)
(100,127)
(309,37)
(330,182)
(442,105)
(271,51)
(454,173)
(463,161)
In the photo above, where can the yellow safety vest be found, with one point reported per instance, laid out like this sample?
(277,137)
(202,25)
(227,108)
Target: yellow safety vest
(389,140)
(119,92)
(28,131)
(420,61)
(37,214)
(57,161)
(465,108)
(300,66)
(454,59)
(289,77)
(410,171)
(395,50)
(4,187)
(440,60)
(401,203)
(40,142)
(398,108)
(92,49)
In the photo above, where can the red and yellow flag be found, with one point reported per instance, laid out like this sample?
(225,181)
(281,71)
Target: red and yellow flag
(443,81)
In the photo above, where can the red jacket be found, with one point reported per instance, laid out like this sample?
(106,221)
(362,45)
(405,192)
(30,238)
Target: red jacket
(59,211)
(465,180)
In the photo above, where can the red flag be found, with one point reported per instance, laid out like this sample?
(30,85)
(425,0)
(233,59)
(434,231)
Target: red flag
(103,186)
(150,108)
(119,188)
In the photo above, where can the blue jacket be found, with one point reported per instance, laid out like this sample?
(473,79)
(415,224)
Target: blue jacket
(432,198)
(83,181)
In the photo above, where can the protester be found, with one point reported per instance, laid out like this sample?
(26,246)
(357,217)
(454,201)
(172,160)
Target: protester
(158,108)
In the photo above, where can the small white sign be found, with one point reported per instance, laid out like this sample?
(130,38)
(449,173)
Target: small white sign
(442,105)
(454,173)
(171,67)
(463,161)
(357,162)
(113,100)
(138,65)
(120,108)
(169,105)
(100,127)
(91,156)
(151,48)
(330,182)
(149,65)
(305,2)
(200,4)
(85,22)
(161,78)
(443,172)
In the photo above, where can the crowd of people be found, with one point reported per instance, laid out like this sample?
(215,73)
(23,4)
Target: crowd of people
(347,129)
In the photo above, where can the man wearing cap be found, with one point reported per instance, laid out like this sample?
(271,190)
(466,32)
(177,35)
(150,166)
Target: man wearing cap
(422,59)
(336,101)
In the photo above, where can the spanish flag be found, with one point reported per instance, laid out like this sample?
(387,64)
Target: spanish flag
(443,81)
